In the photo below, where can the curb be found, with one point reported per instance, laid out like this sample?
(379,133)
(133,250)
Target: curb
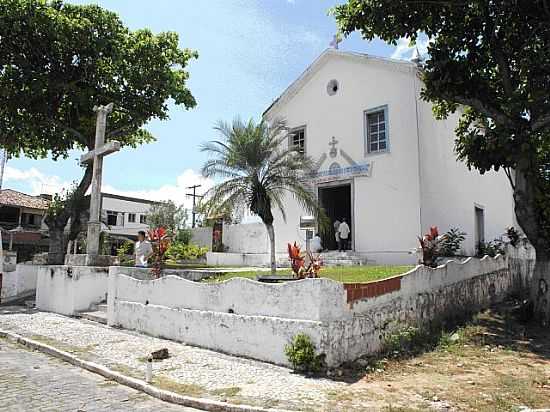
(138,384)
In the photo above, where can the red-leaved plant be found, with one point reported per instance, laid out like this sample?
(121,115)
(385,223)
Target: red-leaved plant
(297,262)
(161,242)
(430,245)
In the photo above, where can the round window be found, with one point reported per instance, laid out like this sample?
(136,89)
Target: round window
(332,87)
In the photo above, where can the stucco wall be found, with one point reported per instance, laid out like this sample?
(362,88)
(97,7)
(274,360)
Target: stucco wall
(450,192)
(241,316)
(70,289)
(18,282)
(245,238)
(202,236)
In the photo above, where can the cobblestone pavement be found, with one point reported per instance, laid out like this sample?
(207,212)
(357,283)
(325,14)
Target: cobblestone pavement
(33,381)
(189,370)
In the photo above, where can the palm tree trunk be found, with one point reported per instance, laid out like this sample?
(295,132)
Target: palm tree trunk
(271,234)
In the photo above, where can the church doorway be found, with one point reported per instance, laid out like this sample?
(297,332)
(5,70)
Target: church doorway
(336,201)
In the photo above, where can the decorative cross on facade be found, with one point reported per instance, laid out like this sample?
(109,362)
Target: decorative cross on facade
(101,150)
(333,152)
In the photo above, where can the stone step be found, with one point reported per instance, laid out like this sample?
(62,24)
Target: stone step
(102,307)
(95,316)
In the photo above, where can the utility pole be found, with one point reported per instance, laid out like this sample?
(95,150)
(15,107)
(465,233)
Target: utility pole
(3,161)
(194,195)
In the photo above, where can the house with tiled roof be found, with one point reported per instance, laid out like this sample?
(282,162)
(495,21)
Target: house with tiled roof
(21,222)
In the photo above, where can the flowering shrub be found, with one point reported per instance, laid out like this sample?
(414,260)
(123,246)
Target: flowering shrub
(161,242)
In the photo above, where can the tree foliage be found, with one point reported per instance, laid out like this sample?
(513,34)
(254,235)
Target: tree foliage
(58,61)
(491,61)
(167,215)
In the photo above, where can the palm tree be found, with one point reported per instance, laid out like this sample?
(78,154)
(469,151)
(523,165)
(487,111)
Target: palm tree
(258,171)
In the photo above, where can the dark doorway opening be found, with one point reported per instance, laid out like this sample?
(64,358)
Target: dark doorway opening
(336,201)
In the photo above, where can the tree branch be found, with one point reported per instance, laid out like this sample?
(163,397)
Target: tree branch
(481,107)
(541,123)
(79,136)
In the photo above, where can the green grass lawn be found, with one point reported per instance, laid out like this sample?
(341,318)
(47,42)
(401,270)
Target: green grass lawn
(345,274)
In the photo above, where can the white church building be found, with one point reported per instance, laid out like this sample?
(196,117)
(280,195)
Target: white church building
(384,162)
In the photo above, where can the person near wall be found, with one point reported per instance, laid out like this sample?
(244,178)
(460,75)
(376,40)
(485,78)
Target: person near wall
(336,226)
(343,233)
(316,244)
(143,250)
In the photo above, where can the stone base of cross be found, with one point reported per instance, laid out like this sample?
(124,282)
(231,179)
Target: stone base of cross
(101,149)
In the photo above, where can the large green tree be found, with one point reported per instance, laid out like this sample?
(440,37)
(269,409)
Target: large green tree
(490,60)
(258,170)
(58,61)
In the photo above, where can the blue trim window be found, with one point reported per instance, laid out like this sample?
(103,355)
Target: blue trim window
(376,122)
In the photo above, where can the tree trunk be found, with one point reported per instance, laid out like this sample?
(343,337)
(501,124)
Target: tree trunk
(72,209)
(528,217)
(56,251)
(271,234)
(540,293)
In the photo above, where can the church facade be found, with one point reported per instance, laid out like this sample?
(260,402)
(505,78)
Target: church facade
(385,164)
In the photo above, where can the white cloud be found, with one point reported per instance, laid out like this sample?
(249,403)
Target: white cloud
(35,182)
(404,49)
(177,191)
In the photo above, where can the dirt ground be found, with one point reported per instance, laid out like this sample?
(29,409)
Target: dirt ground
(493,363)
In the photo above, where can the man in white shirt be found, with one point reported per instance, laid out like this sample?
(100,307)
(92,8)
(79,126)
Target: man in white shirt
(316,244)
(343,233)
(143,250)
(336,225)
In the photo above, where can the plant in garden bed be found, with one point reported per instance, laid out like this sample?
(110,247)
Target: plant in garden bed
(452,242)
(301,353)
(161,242)
(431,246)
(181,251)
(492,248)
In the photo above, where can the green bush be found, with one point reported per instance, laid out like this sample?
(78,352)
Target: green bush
(452,242)
(492,248)
(181,251)
(124,251)
(301,354)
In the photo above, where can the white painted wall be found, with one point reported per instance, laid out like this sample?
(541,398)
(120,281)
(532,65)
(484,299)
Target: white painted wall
(245,238)
(252,319)
(450,191)
(70,289)
(202,236)
(18,282)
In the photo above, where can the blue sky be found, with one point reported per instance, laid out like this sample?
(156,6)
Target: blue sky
(249,52)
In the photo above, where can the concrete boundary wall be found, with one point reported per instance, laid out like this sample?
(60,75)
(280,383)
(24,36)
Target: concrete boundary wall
(19,282)
(345,321)
(70,289)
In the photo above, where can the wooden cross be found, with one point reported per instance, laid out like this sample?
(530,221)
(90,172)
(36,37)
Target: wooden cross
(101,149)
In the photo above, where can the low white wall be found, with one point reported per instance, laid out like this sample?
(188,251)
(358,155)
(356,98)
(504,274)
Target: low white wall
(18,282)
(202,236)
(253,319)
(246,238)
(244,259)
(70,289)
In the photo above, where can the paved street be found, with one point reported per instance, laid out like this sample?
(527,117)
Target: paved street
(33,381)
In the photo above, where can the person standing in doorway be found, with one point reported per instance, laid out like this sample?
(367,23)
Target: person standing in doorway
(143,250)
(343,233)
(336,226)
